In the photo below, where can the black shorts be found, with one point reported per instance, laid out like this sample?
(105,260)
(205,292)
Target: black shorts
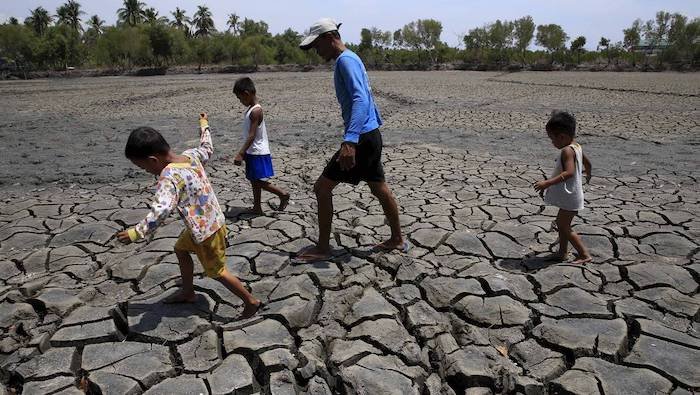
(368,162)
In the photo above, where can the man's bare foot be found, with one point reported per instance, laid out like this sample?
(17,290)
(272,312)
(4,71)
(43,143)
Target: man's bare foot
(582,260)
(312,254)
(250,309)
(284,201)
(555,257)
(181,297)
(393,244)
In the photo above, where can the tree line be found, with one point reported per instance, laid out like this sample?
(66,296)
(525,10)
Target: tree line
(142,37)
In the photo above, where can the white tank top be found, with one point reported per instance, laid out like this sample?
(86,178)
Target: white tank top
(567,195)
(260,146)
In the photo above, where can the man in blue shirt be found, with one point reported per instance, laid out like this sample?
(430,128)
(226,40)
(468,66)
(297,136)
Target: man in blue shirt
(359,156)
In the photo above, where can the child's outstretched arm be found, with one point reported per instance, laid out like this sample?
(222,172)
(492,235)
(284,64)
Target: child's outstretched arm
(255,120)
(166,198)
(588,168)
(206,147)
(568,158)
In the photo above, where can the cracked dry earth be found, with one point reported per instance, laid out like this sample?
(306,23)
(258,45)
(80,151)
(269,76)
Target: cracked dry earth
(470,309)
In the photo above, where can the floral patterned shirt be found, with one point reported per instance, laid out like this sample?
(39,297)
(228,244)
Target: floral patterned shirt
(185,187)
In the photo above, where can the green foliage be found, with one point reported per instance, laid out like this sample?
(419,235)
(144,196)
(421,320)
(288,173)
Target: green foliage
(132,13)
(422,35)
(122,47)
(577,47)
(365,40)
(552,37)
(233,23)
(523,30)
(203,22)
(161,41)
(17,46)
(180,20)
(60,48)
(287,49)
(69,14)
(250,28)
(142,37)
(39,19)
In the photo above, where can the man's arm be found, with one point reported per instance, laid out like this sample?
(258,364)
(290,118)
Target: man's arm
(353,80)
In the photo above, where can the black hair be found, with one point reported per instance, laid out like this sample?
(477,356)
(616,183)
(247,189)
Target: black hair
(144,142)
(562,122)
(244,84)
(334,33)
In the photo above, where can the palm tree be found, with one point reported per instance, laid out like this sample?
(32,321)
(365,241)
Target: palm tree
(203,21)
(39,19)
(180,20)
(69,14)
(96,24)
(132,12)
(233,20)
(151,16)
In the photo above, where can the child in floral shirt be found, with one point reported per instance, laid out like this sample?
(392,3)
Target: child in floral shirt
(183,186)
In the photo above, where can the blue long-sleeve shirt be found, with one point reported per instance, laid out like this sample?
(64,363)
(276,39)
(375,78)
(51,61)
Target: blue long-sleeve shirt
(360,114)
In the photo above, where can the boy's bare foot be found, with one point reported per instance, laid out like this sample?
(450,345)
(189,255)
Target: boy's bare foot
(582,260)
(180,297)
(250,309)
(555,258)
(284,201)
(393,244)
(312,254)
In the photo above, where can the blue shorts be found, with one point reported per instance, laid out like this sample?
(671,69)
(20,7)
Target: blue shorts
(258,167)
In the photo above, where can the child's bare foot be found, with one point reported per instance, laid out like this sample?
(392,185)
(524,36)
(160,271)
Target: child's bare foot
(312,254)
(284,201)
(393,244)
(582,260)
(181,297)
(250,309)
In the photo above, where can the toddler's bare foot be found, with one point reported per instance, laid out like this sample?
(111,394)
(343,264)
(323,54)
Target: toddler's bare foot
(582,260)
(181,297)
(284,201)
(250,309)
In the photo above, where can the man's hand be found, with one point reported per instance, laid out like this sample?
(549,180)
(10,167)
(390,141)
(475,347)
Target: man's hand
(123,237)
(238,160)
(347,156)
(203,120)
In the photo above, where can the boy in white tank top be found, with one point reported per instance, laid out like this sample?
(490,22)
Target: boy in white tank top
(255,150)
(565,187)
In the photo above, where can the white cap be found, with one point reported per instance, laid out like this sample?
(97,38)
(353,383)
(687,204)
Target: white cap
(323,25)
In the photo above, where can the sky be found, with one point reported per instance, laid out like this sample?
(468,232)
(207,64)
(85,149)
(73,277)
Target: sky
(590,18)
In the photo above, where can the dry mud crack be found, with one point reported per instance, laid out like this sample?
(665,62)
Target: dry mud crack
(469,309)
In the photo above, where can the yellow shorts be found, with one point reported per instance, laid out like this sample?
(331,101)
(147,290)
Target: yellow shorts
(211,252)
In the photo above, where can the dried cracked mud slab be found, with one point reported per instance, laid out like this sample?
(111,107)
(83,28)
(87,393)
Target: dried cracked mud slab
(471,308)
